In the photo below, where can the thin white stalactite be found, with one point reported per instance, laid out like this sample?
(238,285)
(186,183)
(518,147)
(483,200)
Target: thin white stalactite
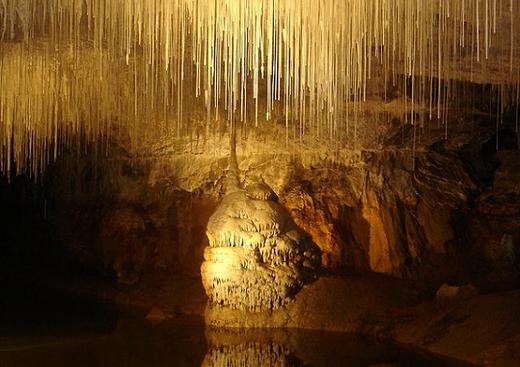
(100,61)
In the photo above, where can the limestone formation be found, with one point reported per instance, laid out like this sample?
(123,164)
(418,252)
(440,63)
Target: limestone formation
(257,258)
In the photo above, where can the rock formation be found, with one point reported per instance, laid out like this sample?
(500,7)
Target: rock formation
(257,258)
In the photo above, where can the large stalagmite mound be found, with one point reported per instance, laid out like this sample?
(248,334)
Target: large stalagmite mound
(257,258)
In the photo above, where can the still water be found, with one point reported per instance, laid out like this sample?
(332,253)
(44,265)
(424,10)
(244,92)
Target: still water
(42,329)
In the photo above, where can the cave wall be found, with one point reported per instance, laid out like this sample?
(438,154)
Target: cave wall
(448,212)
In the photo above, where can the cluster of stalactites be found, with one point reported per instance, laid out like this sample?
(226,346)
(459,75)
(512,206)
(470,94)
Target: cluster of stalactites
(246,57)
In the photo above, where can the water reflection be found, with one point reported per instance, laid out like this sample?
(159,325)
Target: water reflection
(63,333)
(186,343)
(294,348)
(250,354)
(263,348)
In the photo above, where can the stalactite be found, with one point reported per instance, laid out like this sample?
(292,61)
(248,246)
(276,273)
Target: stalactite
(71,66)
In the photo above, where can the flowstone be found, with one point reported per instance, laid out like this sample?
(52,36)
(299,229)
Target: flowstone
(257,258)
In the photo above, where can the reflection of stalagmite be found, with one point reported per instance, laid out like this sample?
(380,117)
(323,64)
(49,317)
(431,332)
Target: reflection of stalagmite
(250,354)
(257,258)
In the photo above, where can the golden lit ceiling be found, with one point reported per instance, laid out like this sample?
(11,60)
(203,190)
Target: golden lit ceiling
(80,66)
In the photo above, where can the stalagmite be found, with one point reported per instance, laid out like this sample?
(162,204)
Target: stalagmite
(145,59)
(257,258)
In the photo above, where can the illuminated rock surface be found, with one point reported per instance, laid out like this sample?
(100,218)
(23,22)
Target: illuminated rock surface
(257,258)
